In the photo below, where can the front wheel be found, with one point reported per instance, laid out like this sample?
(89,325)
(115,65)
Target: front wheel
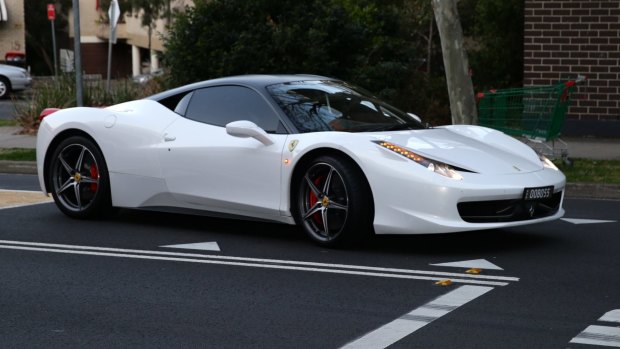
(5,87)
(78,178)
(333,201)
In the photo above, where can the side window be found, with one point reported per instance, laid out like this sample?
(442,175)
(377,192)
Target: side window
(223,104)
(182,105)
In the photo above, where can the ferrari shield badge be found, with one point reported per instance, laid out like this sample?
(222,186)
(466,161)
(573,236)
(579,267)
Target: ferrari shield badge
(292,145)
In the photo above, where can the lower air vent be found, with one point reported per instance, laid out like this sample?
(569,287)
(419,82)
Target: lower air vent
(509,210)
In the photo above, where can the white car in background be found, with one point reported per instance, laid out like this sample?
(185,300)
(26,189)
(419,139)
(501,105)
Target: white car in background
(13,79)
(296,149)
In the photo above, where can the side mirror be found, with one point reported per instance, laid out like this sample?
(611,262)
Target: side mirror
(417,118)
(245,129)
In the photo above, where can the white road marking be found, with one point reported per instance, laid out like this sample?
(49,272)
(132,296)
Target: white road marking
(586,221)
(205,246)
(259,263)
(400,328)
(26,205)
(22,198)
(599,335)
(474,263)
(611,316)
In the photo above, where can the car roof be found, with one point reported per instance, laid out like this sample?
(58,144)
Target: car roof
(255,81)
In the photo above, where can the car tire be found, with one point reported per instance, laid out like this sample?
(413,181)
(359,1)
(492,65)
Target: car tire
(5,87)
(332,201)
(79,180)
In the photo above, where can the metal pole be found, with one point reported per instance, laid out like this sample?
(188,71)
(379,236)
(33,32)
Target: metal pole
(78,54)
(110,46)
(54,47)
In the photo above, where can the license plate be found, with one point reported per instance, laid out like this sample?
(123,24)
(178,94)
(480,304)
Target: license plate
(537,193)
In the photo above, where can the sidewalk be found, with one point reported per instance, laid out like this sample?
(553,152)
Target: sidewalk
(10,139)
(593,148)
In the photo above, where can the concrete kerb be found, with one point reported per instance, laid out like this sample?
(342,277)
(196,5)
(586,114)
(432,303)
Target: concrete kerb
(593,191)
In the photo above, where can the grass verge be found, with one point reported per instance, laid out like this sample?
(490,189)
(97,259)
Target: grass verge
(591,171)
(4,123)
(18,154)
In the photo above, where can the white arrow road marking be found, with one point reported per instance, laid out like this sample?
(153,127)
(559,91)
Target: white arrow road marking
(599,335)
(259,263)
(205,246)
(586,221)
(474,263)
(405,325)
(611,316)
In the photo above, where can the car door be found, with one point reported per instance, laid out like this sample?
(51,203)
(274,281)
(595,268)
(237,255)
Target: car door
(206,168)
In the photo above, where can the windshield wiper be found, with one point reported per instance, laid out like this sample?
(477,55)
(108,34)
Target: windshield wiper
(391,127)
(398,127)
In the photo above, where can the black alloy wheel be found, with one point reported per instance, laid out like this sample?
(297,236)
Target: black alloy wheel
(78,179)
(333,202)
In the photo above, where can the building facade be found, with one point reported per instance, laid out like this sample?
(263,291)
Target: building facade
(131,54)
(12,27)
(567,38)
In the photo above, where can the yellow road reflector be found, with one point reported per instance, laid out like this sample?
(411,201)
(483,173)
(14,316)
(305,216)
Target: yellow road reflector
(16,198)
(444,282)
(474,271)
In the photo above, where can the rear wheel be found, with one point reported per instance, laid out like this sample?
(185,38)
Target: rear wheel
(78,178)
(333,203)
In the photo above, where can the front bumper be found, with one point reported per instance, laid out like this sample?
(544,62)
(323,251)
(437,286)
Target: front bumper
(430,204)
(21,83)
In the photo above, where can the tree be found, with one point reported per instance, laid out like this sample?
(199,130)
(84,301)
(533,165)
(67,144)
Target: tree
(456,64)
(362,41)
(39,34)
(496,29)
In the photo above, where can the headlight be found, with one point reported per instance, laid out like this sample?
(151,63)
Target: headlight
(547,163)
(431,165)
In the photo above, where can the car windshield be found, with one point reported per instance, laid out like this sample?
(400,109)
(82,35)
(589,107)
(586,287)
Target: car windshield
(315,106)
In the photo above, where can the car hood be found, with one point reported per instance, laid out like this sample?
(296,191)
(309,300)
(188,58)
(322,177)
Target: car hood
(12,69)
(474,148)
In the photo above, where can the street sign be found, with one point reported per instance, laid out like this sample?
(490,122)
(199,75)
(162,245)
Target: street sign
(114,13)
(51,12)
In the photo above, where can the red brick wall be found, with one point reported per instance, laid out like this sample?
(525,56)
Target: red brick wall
(564,38)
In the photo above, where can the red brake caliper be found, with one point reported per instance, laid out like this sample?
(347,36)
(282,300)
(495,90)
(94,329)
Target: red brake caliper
(94,174)
(313,200)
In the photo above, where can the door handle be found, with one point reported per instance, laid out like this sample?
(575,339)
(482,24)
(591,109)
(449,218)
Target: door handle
(169,138)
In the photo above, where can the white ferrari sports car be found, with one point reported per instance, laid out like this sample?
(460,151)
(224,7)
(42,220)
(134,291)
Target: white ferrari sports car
(296,149)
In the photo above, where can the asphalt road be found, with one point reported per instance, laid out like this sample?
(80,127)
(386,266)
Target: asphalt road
(111,283)
(6,109)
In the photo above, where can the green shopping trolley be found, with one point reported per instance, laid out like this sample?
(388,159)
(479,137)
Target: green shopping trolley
(535,114)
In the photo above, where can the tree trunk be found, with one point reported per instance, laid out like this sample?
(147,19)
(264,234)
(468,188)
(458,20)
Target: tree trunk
(429,48)
(456,64)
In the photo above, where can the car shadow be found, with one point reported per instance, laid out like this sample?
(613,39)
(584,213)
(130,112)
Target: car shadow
(464,243)
(206,224)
